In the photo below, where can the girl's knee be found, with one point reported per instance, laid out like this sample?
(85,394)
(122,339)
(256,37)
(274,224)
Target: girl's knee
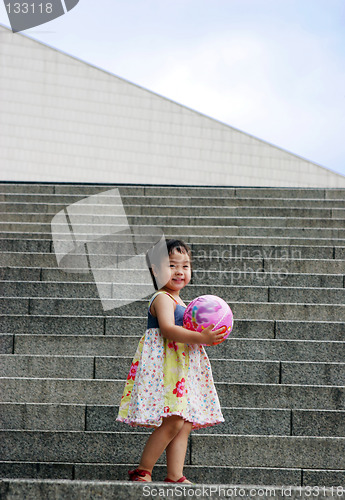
(187,426)
(174,424)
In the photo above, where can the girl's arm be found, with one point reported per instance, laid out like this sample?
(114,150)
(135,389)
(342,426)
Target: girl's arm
(164,310)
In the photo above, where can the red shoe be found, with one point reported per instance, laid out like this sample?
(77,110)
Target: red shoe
(167,480)
(138,474)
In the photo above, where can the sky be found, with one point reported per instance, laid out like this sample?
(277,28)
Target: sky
(274,69)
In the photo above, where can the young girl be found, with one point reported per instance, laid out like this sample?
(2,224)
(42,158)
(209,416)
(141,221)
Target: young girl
(170,386)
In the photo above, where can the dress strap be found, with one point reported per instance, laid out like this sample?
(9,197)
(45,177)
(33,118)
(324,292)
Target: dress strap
(157,293)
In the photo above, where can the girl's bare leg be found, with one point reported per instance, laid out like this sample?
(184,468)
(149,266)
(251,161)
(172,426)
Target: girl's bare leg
(176,453)
(158,441)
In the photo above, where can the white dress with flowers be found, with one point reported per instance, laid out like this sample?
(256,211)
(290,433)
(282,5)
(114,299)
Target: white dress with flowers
(169,378)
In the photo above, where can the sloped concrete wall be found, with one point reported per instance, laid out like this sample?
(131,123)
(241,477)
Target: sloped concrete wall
(65,120)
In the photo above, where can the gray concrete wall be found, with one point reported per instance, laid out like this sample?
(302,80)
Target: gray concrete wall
(65,120)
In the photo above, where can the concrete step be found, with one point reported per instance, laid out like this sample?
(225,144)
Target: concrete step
(335,247)
(210,475)
(241,310)
(69,325)
(216,233)
(245,274)
(224,251)
(243,421)
(156,190)
(21,245)
(312,373)
(232,348)
(241,371)
(119,472)
(20,274)
(57,202)
(96,325)
(235,293)
(282,192)
(103,391)
(214,263)
(88,292)
(279,277)
(28,212)
(41,223)
(201,253)
(296,264)
(40,489)
(206,210)
(47,366)
(265,227)
(278,451)
(29,416)
(113,368)
(197,221)
(245,277)
(50,289)
(276,232)
(27,222)
(299,312)
(28,259)
(6,343)
(220,202)
(20,416)
(306,295)
(229,450)
(26,188)
(224,370)
(307,266)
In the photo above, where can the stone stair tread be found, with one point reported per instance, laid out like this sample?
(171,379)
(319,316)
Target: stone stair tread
(242,309)
(170,220)
(143,204)
(80,188)
(270,278)
(131,197)
(292,216)
(110,345)
(246,451)
(224,278)
(88,476)
(326,245)
(243,421)
(13,263)
(193,193)
(40,489)
(108,391)
(26,324)
(87,290)
(231,370)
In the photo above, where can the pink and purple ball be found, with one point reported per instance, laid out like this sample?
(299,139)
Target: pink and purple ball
(206,310)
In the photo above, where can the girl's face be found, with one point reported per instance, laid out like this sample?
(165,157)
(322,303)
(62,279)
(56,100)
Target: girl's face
(175,273)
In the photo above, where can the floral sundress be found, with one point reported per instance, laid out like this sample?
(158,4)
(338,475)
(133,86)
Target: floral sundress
(169,378)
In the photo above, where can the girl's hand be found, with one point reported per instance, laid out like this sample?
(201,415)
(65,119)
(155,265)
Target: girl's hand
(213,337)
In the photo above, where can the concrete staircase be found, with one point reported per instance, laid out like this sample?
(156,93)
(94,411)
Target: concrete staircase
(275,255)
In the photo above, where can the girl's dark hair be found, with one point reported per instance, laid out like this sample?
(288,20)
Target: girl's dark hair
(155,254)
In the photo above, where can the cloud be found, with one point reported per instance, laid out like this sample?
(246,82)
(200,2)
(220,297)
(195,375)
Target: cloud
(289,92)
